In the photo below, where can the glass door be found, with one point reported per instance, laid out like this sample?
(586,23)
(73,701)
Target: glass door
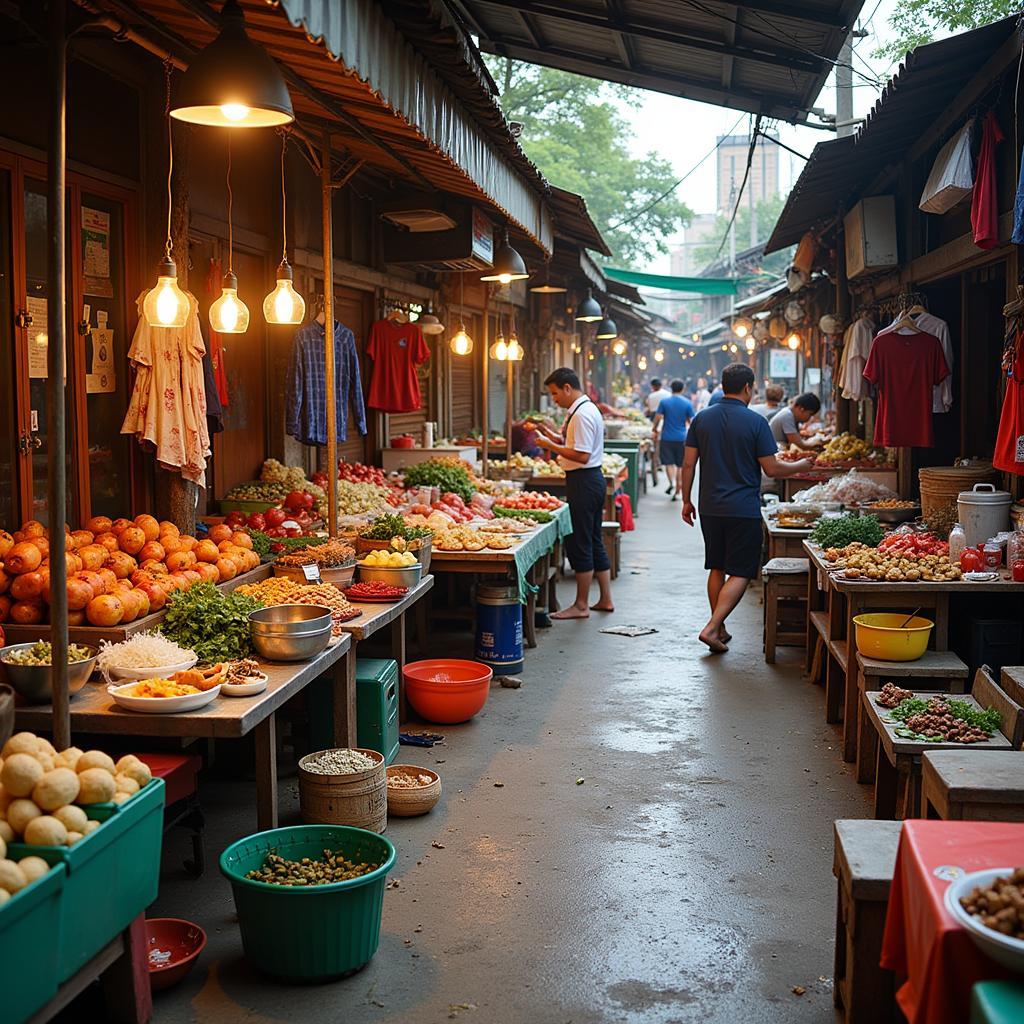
(9,423)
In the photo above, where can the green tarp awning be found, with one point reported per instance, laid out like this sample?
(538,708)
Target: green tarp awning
(697,285)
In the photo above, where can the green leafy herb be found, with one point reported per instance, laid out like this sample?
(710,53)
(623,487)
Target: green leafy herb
(264,545)
(441,474)
(387,526)
(988,720)
(538,515)
(908,708)
(838,531)
(213,624)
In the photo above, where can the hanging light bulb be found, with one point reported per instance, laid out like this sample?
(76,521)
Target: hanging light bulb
(166,305)
(742,326)
(659,355)
(460,342)
(733,348)
(619,347)
(606,329)
(508,265)
(750,344)
(691,353)
(229,314)
(590,356)
(641,363)
(696,336)
(793,341)
(589,311)
(515,350)
(499,350)
(233,82)
(725,348)
(284,305)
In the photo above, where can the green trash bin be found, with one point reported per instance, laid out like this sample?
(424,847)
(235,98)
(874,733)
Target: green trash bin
(630,451)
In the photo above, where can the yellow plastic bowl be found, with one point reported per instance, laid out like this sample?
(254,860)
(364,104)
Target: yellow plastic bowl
(881,636)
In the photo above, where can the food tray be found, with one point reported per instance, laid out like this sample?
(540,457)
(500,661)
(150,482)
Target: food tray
(162,705)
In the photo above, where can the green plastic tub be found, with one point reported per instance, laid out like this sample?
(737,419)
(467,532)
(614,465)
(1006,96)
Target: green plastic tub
(29,943)
(112,874)
(314,934)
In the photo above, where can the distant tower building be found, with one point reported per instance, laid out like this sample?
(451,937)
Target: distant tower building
(697,233)
(763,182)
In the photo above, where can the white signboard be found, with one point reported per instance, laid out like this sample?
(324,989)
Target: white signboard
(782,364)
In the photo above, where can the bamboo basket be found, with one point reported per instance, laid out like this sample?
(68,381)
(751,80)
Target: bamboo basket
(359,799)
(410,803)
(940,485)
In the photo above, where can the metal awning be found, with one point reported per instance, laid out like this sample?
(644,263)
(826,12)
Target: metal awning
(767,56)
(916,96)
(574,221)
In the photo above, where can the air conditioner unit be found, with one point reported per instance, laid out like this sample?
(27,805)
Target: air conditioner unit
(465,246)
(870,232)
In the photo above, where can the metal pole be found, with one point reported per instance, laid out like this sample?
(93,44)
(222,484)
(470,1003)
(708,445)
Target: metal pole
(55,362)
(327,187)
(484,393)
(508,408)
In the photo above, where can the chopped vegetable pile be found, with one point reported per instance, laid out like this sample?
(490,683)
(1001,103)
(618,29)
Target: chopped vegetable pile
(445,475)
(213,624)
(944,719)
(838,531)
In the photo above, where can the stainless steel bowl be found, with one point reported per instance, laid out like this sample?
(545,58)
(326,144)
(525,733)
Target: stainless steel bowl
(290,632)
(406,576)
(35,682)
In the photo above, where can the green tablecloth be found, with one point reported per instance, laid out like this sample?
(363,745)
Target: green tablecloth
(536,546)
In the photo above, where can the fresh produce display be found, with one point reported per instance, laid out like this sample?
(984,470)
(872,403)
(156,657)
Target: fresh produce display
(531,500)
(375,591)
(944,719)
(465,538)
(258,490)
(1000,904)
(333,555)
(847,450)
(512,526)
(356,499)
(41,653)
(45,791)
(383,559)
(442,473)
(281,590)
(357,473)
(919,543)
(891,695)
(857,561)
(213,624)
(538,515)
(838,531)
(141,651)
(552,469)
(518,463)
(612,465)
(332,868)
(394,528)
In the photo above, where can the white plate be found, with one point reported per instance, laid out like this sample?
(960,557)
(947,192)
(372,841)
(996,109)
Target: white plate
(251,686)
(116,676)
(980,577)
(161,705)
(1002,948)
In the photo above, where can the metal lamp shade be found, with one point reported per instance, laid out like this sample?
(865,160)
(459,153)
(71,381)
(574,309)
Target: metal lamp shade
(508,265)
(607,329)
(234,82)
(429,324)
(589,311)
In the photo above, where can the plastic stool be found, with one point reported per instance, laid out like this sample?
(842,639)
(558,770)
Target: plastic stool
(180,774)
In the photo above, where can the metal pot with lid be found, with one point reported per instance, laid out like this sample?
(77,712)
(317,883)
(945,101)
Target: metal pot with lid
(984,512)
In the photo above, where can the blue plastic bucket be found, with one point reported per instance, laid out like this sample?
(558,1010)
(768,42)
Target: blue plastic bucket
(499,629)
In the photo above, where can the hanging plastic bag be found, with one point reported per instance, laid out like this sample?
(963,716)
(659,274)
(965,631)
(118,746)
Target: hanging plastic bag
(952,174)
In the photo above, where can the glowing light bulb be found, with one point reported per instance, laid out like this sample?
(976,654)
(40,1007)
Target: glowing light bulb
(619,347)
(461,343)
(793,341)
(166,305)
(234,111)
(750,344)
(499,350)
(659,355)
(505,278)
(515,350)
(229,314)
(284,305)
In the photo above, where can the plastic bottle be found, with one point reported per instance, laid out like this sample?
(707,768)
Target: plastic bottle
(1015,555)
(957,542)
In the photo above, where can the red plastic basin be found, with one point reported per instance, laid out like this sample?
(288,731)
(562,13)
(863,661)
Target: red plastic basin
(174,947)
(446,690)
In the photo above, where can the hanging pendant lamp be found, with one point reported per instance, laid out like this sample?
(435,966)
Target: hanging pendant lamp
(499,349)
(229,314)
(606,329)
(460,342)
(508,265)
(619,347)
(166,305)
(233,82)
(515,350)
(589,311)
(429,324)
(547,288)
(284,305)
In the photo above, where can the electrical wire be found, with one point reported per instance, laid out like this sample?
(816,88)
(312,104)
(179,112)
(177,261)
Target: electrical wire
(231,236)
(788,149)
(743,184)
(169,244)
(284,203)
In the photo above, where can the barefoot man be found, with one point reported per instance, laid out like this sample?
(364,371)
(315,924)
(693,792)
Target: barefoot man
(580,449)
(733,445)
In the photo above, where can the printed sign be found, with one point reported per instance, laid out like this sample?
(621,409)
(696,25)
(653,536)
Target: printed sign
(782,364)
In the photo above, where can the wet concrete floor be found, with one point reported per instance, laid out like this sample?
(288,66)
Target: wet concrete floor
(687,878)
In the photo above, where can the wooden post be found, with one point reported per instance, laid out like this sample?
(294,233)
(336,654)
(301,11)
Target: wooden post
(845,413)
(57,488)
(509,391)
(484,392)
(327,186)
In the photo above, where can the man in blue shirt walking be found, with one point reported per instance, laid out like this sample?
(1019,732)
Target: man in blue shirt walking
(733,446)
(671,420)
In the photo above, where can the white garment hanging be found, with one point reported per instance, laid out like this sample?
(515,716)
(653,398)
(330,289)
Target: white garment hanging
(942,394)
(859,336)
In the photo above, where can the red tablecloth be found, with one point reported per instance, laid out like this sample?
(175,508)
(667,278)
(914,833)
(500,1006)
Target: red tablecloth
(922,941)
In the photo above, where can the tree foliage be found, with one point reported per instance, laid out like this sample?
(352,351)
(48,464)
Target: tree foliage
(577,135)
(914,22)
(766,213)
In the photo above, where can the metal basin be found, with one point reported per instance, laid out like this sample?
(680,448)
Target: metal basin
(406,576)
(290,632)
(35,682)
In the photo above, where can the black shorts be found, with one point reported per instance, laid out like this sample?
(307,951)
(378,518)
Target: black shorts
(732,544)
(671,452)
(585,491)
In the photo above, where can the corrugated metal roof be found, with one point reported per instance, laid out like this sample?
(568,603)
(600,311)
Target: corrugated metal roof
(766,56)
(923,87)
(574,221)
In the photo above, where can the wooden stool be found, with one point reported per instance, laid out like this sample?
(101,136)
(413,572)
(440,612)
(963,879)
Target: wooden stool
(611,532)
(941,671)
(960,785)
(864,863)
(785,590)
(1011,679)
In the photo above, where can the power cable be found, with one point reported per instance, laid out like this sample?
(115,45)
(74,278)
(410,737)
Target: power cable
(743,184)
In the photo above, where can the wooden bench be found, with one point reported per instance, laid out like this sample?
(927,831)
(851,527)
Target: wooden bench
(1011,679)
(611,533)
(959,785)
(864,863)
(941,668)
(785,591)
(898,764)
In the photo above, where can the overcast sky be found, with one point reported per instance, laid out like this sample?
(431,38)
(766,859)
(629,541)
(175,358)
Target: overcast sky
(698,125)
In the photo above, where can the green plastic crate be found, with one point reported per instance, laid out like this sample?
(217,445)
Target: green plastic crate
(113,874)
(377,706)
(30,924)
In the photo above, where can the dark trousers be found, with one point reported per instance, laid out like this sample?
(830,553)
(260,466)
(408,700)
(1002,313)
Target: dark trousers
(585,491)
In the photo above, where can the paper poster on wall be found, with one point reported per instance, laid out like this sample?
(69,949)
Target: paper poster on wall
(102,379)
(782,364)
(37,337)
(96,252)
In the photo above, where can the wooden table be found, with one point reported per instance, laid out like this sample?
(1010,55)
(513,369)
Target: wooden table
(898,766)
(793,484)
(783,541)
(93,711)
(832,604)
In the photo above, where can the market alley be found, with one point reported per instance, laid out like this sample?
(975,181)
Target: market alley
(642,832)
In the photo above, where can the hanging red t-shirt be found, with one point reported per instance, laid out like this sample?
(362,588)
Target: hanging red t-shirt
(904,368)
(1009,451)
(985,202)
(396,350)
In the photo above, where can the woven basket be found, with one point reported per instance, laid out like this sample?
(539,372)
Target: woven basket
(940,485)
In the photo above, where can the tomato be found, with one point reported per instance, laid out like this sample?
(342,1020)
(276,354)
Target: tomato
(971,560)
(235,519)
(293,531)
(257,521)
(275,516)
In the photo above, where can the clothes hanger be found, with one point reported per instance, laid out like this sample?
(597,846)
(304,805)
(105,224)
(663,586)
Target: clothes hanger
(905,322)
(1015,306)
(398,316)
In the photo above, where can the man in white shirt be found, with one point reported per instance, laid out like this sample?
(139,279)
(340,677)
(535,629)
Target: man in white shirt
(658,394)
(701,396)
(580,451)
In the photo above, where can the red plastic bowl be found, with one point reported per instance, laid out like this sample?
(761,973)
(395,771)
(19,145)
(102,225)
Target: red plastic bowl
(174,947)
(445,690)
(403,441)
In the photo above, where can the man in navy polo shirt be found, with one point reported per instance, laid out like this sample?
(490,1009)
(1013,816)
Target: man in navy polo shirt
(733,445)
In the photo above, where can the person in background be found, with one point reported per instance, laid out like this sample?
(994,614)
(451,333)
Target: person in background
(580,451)
(701,396)
(657,395)
(524,438)
(772,402)
(733,446)
(716,396)
(785,424)
(671,420)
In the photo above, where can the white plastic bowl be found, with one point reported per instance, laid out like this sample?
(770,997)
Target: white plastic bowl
(134,675)
(161,705)
(1004,950)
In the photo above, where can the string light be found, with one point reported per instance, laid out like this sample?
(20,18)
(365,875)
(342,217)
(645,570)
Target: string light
(284,305)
